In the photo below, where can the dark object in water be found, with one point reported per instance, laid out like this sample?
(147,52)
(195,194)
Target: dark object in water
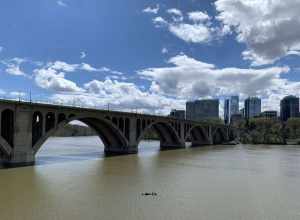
(149,194)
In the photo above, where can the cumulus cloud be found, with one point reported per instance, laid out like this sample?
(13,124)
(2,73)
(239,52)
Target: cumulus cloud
(51,79)
(14,69)
(63,66)
(198,16)
(151,10)
(174,11)
(192,33)
(120,96)
(159,22)
(197,30)
(13,66)
(188,78)
(270,29)
(108,70)
(83,55)
(52,76)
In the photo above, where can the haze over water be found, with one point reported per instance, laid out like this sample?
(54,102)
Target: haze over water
(72,180)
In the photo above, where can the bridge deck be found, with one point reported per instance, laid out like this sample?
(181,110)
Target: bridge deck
(95,110)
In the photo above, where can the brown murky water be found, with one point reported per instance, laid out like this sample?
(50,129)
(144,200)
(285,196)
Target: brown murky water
(73,181)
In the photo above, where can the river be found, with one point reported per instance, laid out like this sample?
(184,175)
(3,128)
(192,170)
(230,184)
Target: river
(73,180)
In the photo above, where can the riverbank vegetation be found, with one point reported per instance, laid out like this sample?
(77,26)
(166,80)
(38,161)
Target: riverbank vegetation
(268,131)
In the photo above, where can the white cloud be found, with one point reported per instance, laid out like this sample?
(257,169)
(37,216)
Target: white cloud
(61,3)
(13,69)
(13,66)
(108,70)
(52,75)
(83,55)
(197,31)
(164,50)
(120,96)
(268,28)
(63,66)
(198,16)
(51,79)
(159,22)
(191,33)
(174,11)
(87,67)
(177,15)
(189,78)
(151,10)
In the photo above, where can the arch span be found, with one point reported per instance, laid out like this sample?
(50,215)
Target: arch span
(112,138)
(169,138)
(37,127)
(8,126)
(5,148)
(219,137)
(198,136)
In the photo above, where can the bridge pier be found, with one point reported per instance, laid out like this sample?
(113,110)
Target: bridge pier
(25,127)
(22,153)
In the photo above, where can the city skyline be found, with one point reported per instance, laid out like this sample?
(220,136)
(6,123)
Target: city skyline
(152,56)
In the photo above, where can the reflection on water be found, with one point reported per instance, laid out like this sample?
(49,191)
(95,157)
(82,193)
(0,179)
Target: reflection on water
(75,181)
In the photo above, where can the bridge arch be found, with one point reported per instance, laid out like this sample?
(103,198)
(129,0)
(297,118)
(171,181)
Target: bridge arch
(37,126)
(5,148)
(61,117)
(218,136)
(112,138)
(198,135)
(8,126)
(168,136)
(50,121)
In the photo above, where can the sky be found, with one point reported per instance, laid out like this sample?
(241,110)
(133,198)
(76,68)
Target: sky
(149,56)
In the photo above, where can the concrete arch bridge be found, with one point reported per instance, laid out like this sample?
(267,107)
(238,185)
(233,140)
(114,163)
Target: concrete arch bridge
(26,126)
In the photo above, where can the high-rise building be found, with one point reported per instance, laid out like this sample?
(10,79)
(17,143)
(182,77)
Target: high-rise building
(289,107)
(202,109)
(234,105)
(269,114)
(227,111)
(180,114)
(242,112)
(231,107)
(252,107)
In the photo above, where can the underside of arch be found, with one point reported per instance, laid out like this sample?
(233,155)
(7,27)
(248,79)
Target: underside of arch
(219,137)
(112,138)
(167,136)
(199,137)
(110,135)
(5,148)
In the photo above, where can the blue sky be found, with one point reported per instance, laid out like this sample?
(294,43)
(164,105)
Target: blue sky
(149,55)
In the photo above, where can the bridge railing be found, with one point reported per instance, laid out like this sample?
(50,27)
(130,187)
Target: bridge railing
(76,104)
(80,105)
